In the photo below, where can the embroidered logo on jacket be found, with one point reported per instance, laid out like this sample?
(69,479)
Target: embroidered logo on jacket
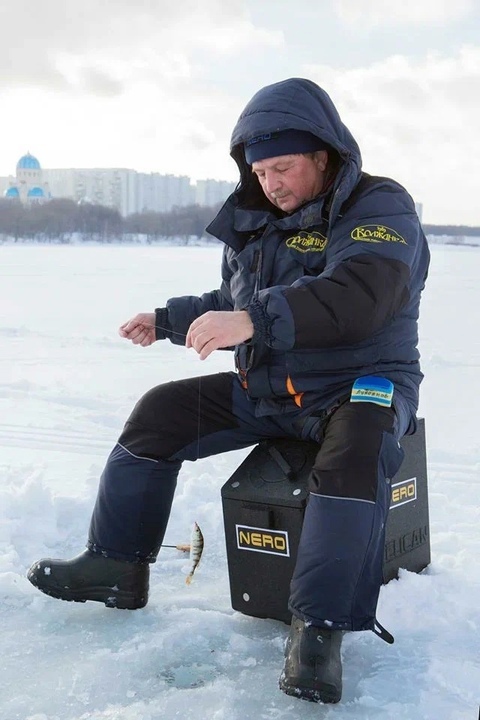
(307,242)
(376,234)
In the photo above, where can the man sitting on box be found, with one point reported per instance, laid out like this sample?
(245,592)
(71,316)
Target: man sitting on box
(322,272)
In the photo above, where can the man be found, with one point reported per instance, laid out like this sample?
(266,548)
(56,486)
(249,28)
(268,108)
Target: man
(322,272)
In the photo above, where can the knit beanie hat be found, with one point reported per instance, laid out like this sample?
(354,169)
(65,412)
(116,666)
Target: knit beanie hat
(283,142)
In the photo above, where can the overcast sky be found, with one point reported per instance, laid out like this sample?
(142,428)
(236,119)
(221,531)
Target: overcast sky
(157,86)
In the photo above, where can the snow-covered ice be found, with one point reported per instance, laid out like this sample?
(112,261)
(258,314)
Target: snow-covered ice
(67,383)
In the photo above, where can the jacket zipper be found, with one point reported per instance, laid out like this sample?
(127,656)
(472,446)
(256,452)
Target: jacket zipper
(258,261)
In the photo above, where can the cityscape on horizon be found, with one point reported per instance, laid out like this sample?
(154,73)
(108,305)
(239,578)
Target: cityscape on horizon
(124,189)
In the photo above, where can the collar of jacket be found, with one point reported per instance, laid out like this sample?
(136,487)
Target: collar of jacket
(235,225)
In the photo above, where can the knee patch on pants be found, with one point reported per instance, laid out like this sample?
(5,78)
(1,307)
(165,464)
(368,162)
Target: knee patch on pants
(347,463)
(173,415)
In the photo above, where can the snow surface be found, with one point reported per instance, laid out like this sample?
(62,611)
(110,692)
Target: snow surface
(67,383)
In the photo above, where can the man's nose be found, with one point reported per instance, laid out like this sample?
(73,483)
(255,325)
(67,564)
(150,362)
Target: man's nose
(272,182)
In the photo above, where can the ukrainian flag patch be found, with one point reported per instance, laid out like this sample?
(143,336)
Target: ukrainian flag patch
(372,389)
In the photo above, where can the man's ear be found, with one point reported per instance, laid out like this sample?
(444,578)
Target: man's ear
(321,158)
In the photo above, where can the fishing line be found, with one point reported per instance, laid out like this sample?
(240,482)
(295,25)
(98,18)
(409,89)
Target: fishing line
(169,330)
(199,406)
(198,414)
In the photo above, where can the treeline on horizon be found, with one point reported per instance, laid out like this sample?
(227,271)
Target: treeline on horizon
(61,219)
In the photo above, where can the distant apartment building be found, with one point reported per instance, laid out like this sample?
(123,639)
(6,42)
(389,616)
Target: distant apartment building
(114,188)
(212,192)
(126,190)
(160,193)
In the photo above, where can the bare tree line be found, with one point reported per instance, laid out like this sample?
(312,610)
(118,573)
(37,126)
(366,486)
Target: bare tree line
(62,220)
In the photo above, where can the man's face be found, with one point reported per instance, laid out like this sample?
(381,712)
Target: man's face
(289,181)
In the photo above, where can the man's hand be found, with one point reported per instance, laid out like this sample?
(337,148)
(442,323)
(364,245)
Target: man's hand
(216,329)
(140,329)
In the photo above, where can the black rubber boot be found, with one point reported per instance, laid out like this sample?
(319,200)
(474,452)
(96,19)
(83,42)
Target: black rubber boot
(313,668)
(90,576)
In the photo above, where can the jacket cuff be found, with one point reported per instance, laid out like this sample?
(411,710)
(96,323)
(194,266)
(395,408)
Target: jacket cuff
(163,329)
(258,317)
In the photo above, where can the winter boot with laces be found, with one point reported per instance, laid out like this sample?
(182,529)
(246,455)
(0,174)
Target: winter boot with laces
(91,576)
(313,668)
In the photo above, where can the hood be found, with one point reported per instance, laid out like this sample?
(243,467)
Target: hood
(297,104)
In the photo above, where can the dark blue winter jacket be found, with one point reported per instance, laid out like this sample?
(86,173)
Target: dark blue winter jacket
(333,288)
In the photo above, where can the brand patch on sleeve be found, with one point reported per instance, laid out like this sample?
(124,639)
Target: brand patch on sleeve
(372,389)
(376,234)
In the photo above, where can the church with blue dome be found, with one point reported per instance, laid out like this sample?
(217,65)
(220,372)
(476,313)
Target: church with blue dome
(28,185)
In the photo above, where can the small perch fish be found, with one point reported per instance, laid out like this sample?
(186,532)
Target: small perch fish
(196,550)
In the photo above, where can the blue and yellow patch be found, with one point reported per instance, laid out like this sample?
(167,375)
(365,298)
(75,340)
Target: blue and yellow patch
(377,390)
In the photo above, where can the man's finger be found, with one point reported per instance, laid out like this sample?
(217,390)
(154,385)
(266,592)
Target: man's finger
(124,329)
(135,333)
(193,331)
(200,339)
(208,349)
(130,326)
